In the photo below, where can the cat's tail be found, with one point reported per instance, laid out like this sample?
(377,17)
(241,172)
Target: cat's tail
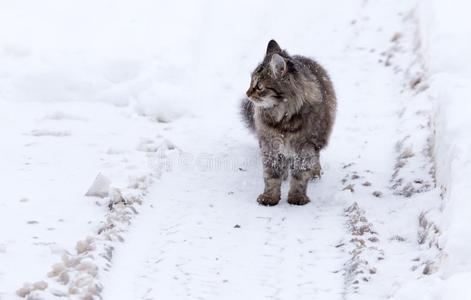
(247,112)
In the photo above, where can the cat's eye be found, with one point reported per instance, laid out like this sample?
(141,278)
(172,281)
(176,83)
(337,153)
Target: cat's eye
(259,87)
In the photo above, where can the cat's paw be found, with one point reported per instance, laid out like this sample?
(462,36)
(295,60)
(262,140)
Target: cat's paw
(298,199)
(268,200)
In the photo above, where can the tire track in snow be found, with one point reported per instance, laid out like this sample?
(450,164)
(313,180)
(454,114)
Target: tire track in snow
(388,198)
(216,242)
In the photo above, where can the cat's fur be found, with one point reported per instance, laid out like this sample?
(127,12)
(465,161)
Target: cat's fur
(291,107)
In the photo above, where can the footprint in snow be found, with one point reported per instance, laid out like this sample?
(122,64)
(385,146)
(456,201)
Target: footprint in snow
(46,132)
(60,115)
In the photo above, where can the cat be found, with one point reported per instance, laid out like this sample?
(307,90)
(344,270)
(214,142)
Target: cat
(291,106)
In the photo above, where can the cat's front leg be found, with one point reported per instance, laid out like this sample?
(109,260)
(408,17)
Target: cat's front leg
(274,168)
(305,166)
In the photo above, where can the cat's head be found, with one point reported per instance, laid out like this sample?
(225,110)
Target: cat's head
(269,79)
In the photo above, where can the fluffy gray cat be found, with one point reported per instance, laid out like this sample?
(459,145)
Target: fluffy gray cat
(291,107)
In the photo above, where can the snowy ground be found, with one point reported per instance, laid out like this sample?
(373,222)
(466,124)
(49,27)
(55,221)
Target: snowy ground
(113,91)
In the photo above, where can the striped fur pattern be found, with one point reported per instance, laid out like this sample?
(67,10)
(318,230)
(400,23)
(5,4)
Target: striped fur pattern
(291,107)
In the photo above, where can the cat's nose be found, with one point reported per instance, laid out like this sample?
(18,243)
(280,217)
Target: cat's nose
(249,92)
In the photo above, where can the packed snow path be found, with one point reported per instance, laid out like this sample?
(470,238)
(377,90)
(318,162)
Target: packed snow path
(200,233)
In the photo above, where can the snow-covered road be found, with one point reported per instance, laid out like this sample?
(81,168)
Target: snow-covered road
(162,123)
(202,235)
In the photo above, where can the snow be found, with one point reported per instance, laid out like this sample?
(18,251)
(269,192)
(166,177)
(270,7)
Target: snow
(445,31)
(100,187)
(45,178)
(127,173)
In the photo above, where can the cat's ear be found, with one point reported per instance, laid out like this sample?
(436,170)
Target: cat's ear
(278,65)
(273,47)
